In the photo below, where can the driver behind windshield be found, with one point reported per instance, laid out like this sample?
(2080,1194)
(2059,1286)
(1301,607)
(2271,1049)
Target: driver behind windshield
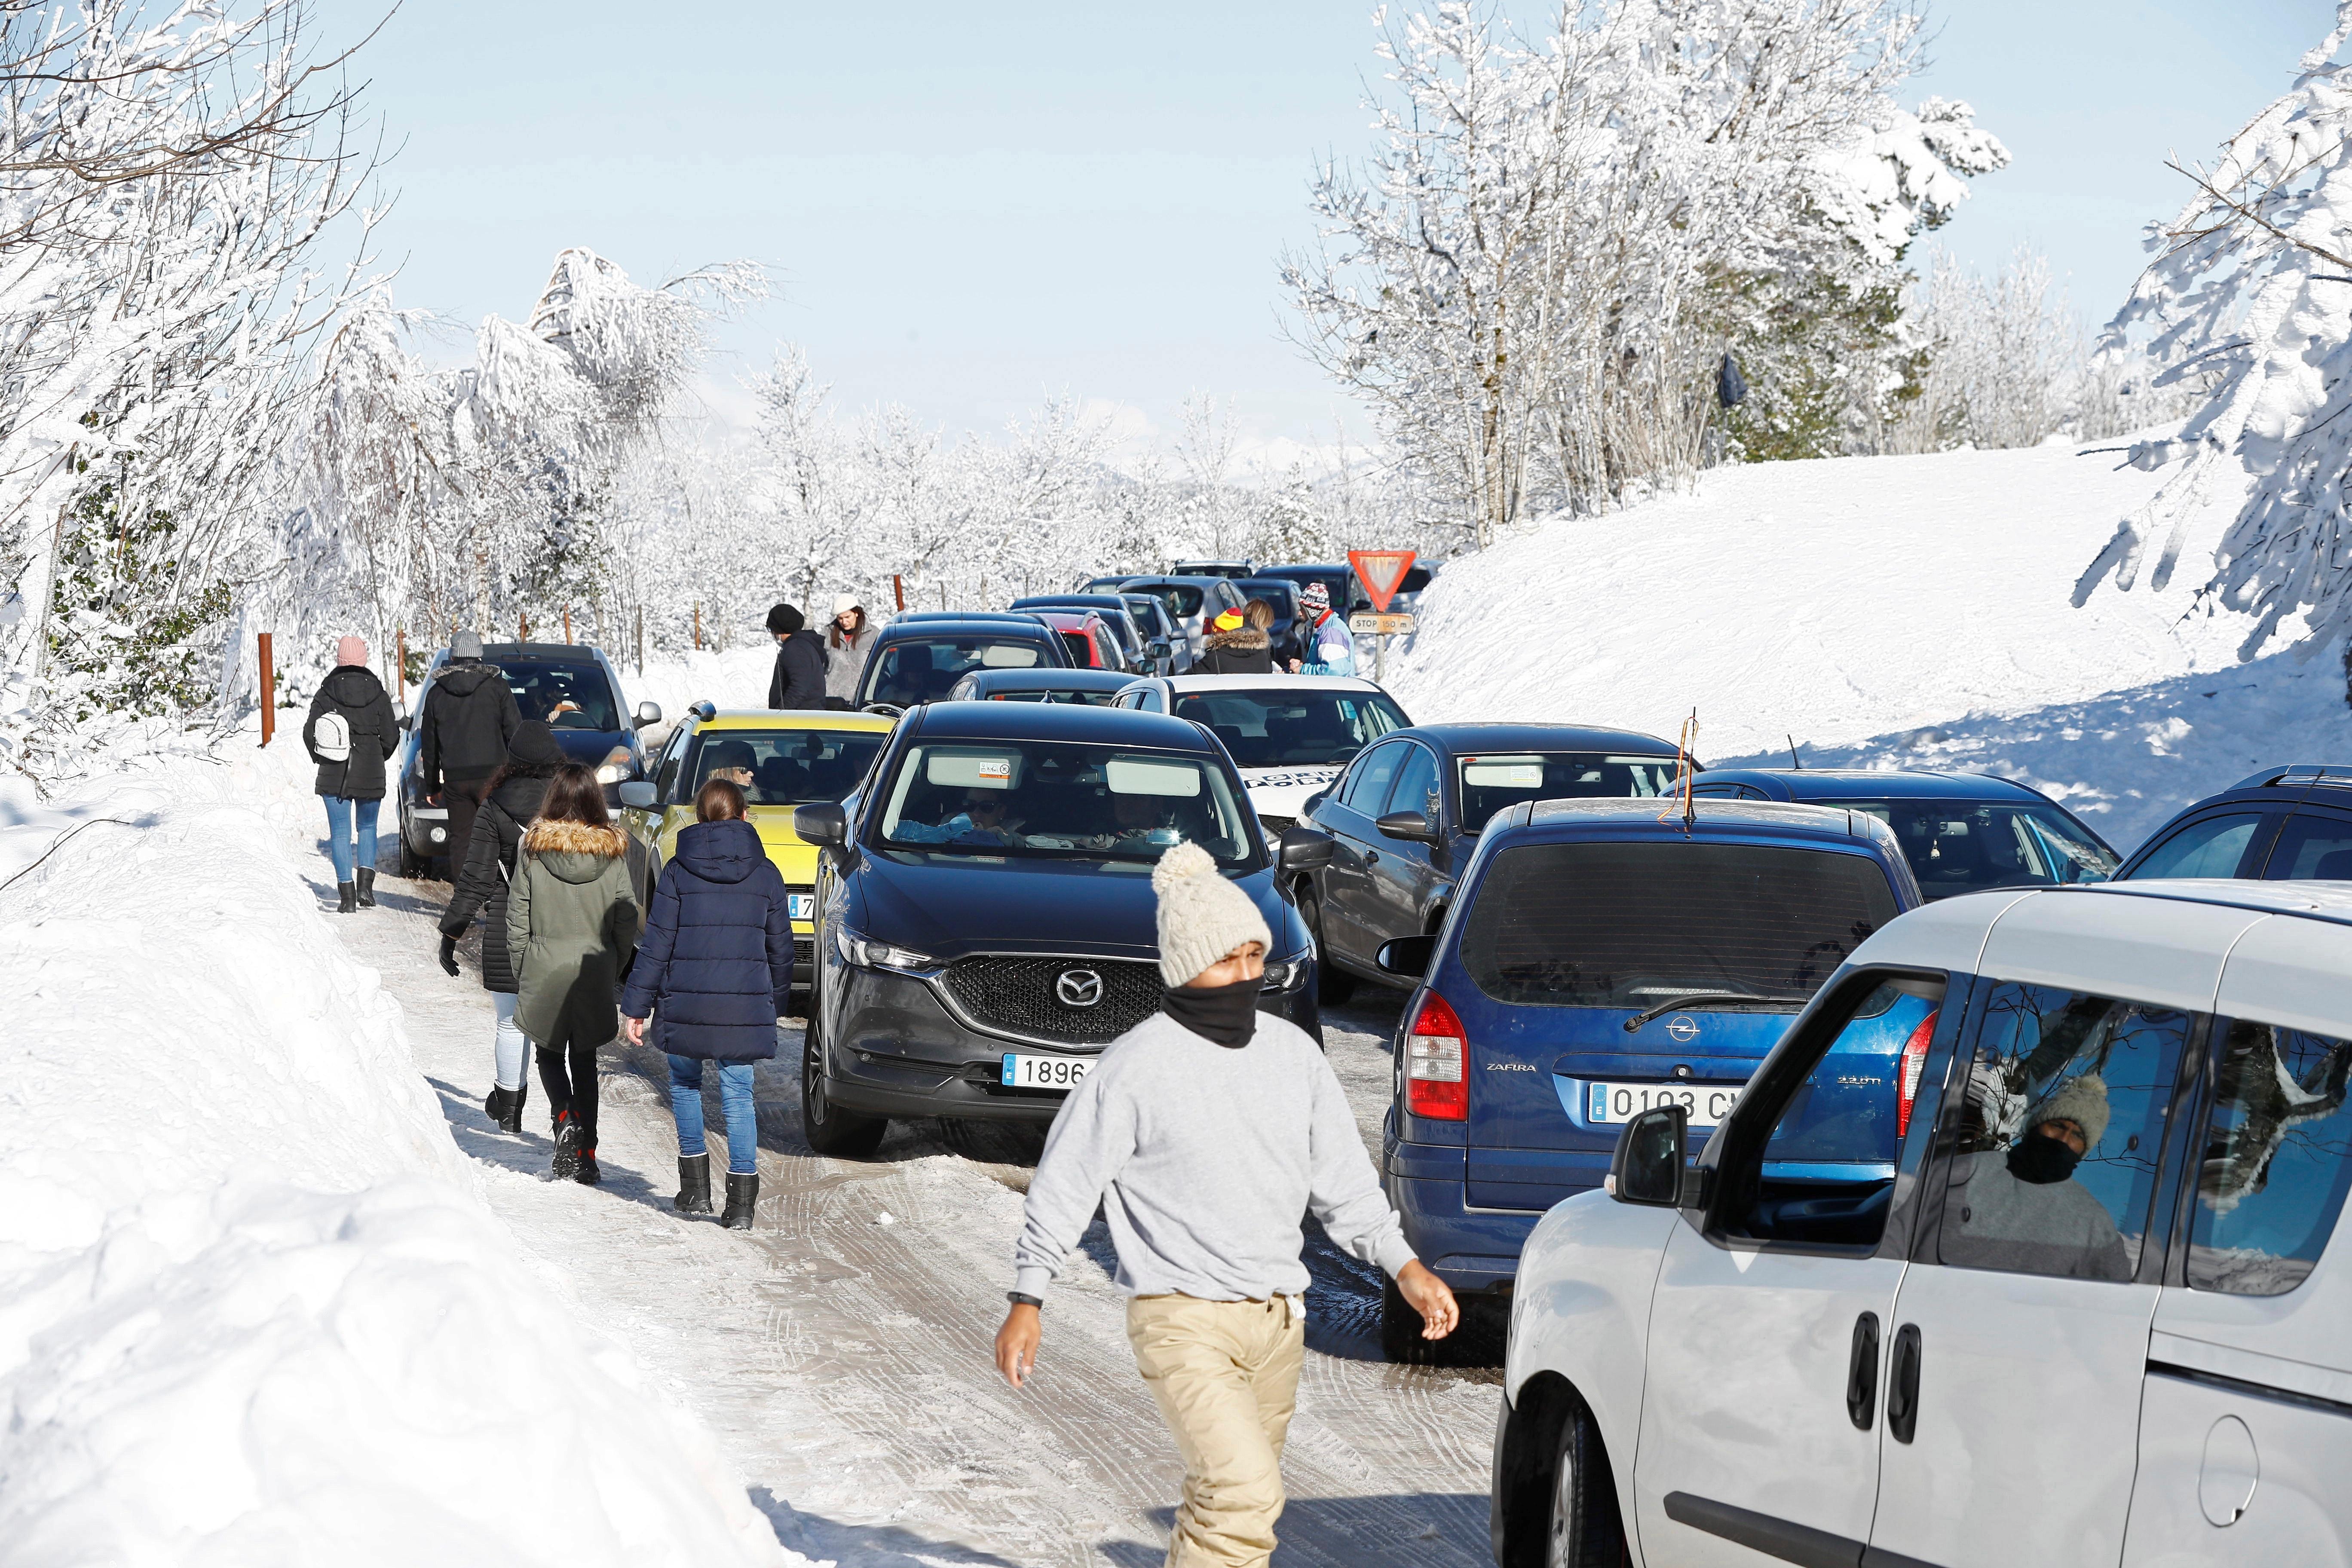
(733,761)
(986,819)
(2022,1208)
(1141,823)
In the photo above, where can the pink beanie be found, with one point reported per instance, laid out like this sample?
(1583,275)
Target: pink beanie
(351,651)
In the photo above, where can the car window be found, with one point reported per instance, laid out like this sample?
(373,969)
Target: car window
(1288,725)
(922,669)
(1177,598)
(783,767)
(564,695)
(2312,848)
(1636,925)
(1368,782)
(2210,846)
(1416,785)
(2054,1130)
(1961,847)
(1038,799)
(1496,782)
(2278,1159)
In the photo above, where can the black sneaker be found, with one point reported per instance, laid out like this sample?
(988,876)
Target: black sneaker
(567,1149)
(588,1175)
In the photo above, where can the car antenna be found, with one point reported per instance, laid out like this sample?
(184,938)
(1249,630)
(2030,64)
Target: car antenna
(1684,779)
(1793,755)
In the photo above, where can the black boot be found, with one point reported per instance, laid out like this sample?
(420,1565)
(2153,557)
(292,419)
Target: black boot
(366,875)
(504,1108)
(347,896)
(743,1198)
(567,1148)
(693,1184)
(589,1173)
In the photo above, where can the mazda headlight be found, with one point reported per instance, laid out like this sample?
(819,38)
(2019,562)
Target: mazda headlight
(618,764)
(868,953)
(1287,974)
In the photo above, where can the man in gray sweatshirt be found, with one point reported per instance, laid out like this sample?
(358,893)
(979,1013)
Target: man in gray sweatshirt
(1206,1133)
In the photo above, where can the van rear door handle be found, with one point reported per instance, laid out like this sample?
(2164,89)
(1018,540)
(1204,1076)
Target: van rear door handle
(1862,1373)
(1371,856)
(1903,1385)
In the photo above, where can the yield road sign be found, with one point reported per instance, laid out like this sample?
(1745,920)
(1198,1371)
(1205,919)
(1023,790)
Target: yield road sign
(1381,572)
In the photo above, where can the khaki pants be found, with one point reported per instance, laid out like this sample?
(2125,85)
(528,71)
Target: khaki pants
(1226,1376)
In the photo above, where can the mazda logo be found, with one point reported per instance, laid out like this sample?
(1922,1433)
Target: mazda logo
(1080,988)
(1682,1029)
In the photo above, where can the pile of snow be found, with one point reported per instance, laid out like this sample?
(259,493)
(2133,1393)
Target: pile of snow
(736,679)
(253,1308)
(1883,611)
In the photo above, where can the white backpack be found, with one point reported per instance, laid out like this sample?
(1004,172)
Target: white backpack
(330,737)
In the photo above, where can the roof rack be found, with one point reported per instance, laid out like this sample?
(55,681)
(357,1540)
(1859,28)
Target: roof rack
(2299,774)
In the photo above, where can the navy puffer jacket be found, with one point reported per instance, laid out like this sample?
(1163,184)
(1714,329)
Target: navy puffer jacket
(714,970)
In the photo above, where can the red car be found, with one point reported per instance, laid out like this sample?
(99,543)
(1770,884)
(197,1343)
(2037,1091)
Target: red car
(1091,644)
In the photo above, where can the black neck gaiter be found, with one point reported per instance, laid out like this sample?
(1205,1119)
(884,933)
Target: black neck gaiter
(1225,1013)
(2041,1161)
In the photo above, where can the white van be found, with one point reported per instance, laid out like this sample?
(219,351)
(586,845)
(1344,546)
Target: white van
(2091,1316)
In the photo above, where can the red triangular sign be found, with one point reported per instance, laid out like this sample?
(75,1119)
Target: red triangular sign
(1381,572)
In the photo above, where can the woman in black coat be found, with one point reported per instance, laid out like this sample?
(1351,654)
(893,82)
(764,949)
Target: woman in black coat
(714,970)
(515,792)
(351,767)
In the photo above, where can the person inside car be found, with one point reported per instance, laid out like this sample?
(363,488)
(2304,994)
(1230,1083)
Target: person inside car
(2022,1208)
(984,819)
(733,760)
(1142,824)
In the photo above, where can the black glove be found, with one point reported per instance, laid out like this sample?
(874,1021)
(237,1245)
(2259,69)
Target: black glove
(449,954)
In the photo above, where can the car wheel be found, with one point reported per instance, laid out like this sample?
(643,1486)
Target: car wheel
(1585,1530)
(829,1128)
(1333,985)
(412,866)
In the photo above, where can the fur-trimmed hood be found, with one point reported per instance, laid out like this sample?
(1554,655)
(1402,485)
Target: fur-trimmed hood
(574,850)
(1248,639)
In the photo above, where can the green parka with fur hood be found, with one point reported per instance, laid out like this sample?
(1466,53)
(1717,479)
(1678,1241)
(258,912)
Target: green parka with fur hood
(571,921)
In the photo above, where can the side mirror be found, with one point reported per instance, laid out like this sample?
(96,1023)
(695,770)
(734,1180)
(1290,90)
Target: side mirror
(407,719)
(888,710)
(1407,957)
(822,822)
(1647,1168)
(1407,825)
(638,794)
(648,713)
(1157,649)
(1303,849)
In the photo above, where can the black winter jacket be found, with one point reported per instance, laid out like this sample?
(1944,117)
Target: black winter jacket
(353,692)
(465,723)
(1242,652)
(489,865)
(714,968)
(799,679)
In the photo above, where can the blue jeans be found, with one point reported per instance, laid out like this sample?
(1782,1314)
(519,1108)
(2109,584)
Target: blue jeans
(340,816)
(734,1099)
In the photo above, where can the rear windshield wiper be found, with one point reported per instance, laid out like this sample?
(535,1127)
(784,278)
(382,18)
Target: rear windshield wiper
(1633,1024)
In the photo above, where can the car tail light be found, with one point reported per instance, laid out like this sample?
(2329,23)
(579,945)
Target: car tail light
(1915,1060)
(1435,1054)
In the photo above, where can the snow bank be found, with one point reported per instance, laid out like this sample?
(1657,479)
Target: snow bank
(1885,612)
(736,679)
(252,1308)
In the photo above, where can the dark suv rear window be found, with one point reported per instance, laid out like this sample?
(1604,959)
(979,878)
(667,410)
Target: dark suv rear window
(1635,925)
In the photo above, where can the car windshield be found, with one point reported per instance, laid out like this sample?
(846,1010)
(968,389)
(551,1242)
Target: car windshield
(1280,597)
(1637,925)
(564,695)
(1959,846)
(1176,598)
(783,767)
(921,669)
(1493,781)
(1279,726)
(1043,799)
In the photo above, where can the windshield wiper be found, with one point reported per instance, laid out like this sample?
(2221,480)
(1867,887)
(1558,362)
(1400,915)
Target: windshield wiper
(1633,1024)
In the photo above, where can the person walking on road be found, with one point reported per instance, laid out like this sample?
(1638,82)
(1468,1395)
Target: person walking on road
(1330,647)
(1205,1132)
(1238,643)
(487,865)
(465,726)
(714,972)
(799,679)
(349,734)
(849,638)
(571,921)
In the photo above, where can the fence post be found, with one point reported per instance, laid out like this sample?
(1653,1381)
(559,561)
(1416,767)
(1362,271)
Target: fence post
(402,640)
(899,587)
(567,622)
(522,619)
(269,692)
(697,625)
(641,639)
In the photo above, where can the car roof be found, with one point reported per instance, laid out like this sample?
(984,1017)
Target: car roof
(1186,579)
(1059,721)
(793,719)
(2297,775)
(552,652)
(1043,679)
(1182,684)
(1469,740)
(1711,816)
(1070,601)
(973,625)
(1875,783)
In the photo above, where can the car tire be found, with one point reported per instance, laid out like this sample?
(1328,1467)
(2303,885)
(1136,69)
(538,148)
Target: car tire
(1584,1529)
(412,866)
(843,1134)
(1333,986)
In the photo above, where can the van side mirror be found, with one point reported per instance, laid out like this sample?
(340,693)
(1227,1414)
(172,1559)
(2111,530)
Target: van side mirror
(1409,825)
(1156,647)
(1407,957)
(1303,849)
(822,822)
(638,794)
(649,714)
(1647,1168)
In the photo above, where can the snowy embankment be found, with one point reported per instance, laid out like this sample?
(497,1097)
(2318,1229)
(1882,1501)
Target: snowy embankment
(1883,611)
(253,1308)
(736,679)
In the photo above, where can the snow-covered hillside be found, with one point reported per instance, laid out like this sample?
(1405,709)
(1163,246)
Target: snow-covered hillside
(1884,612)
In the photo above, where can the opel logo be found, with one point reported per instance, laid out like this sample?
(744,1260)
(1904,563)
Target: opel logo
(1083,988)
(1681,1027)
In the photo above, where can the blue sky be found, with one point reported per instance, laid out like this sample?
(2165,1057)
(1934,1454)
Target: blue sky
(967,207)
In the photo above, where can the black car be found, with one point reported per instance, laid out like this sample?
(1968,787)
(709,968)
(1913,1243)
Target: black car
(1406,815)
(1146,653)
(985,921)
(918,659)
(1089,688)
(1346,589)
(574,688)
(2285,824)
(1961,833)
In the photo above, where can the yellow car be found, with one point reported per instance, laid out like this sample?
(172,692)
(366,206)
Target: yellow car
(781,760)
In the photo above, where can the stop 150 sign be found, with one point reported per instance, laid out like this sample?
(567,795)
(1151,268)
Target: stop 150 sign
(1382,572)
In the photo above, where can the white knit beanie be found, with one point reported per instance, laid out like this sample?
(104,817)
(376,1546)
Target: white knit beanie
(2082,1101)
(1203,917)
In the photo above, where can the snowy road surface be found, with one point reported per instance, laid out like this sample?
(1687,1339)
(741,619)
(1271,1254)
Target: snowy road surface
(843,1361)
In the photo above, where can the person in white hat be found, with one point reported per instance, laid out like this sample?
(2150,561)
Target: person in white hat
(1205,1132)
(2022,1208)
(849,637)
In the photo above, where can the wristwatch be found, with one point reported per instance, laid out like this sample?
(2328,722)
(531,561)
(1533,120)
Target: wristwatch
(1018,1299)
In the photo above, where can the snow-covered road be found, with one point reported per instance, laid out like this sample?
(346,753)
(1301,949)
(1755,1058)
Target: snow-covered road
(842,1359)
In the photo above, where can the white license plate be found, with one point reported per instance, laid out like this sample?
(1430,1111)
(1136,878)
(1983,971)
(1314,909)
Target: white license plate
(1045,1072)
(1613,1102)
(800,906)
